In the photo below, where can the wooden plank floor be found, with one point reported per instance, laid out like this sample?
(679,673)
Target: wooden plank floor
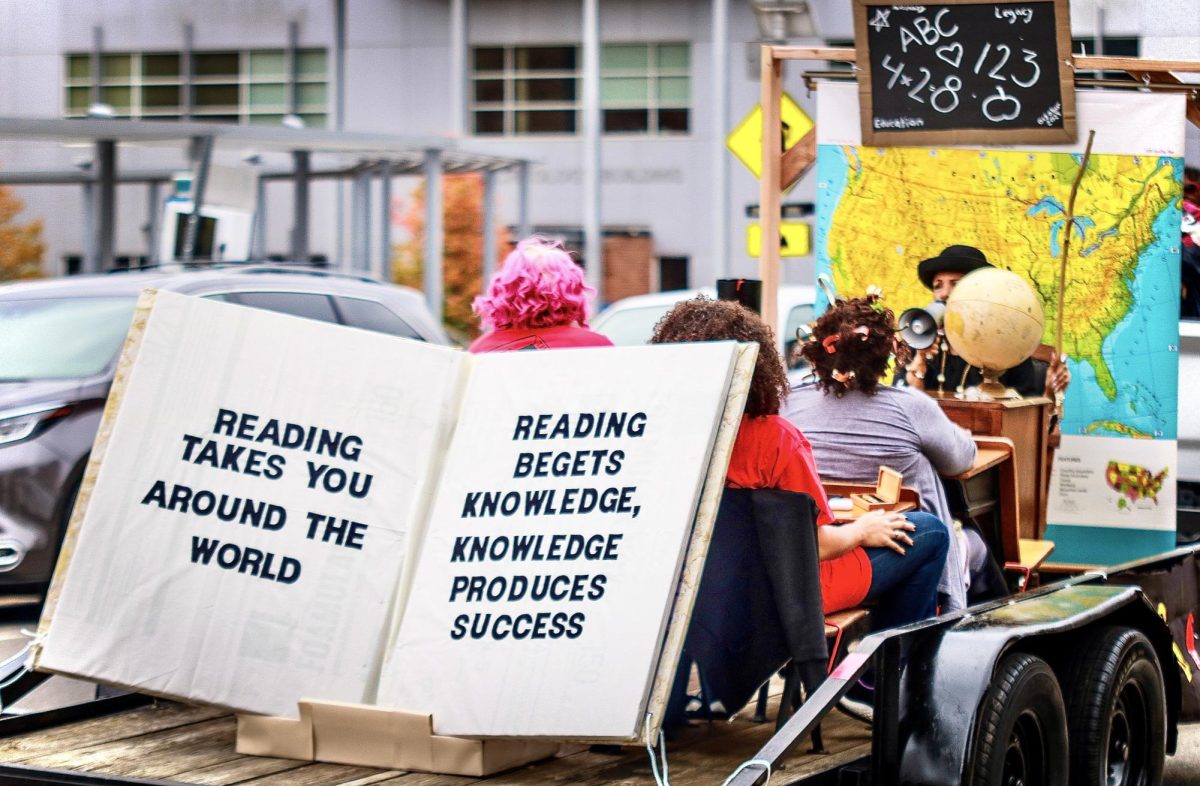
(174,743)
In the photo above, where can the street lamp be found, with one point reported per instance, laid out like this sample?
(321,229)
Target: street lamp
(783,20)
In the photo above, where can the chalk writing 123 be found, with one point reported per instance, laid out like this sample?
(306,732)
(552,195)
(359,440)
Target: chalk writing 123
(1004,53)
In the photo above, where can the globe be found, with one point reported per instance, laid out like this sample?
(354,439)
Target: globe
(994,321)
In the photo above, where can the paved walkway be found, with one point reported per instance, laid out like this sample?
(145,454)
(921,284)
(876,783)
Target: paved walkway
(1183,769)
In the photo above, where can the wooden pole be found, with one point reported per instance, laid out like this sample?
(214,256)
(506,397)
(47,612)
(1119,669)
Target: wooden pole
(769,196)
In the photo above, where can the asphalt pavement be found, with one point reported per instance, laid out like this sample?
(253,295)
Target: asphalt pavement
(1183,769)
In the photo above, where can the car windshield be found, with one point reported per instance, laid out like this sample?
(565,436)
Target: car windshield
(632,326)
(61,338)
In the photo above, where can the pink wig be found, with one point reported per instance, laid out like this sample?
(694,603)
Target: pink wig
(538,286)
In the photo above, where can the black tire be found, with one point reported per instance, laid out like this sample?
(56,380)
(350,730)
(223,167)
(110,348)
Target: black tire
(1116,711)
(1021,729)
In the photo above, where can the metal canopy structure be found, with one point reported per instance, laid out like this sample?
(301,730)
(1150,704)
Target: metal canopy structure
(381,156)
(457,157)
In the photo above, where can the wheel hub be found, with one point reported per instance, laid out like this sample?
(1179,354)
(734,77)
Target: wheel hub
(1126,766)
(1024,758)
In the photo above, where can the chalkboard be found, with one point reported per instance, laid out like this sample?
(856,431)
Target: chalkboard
(964,71)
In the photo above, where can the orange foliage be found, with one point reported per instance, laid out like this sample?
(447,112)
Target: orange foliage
(21,245)
(462,257)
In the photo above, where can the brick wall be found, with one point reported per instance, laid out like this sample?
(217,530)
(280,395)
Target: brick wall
(628,266)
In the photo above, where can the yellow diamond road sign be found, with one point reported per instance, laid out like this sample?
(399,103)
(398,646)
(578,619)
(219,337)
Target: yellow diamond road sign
(795,239)
(746,140)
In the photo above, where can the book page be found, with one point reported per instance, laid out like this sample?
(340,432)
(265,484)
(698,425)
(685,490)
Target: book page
(243,539)
(554,544)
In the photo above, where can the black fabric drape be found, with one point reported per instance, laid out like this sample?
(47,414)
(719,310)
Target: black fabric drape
(759,602)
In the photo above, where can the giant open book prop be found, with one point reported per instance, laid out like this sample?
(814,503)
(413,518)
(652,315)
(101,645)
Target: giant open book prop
(279,509)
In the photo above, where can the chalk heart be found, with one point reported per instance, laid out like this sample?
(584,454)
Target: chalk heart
(951,53)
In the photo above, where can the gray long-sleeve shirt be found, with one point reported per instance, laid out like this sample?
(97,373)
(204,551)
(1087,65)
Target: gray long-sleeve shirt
(901,428)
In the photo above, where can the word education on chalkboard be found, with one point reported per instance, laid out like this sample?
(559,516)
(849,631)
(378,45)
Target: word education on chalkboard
(962,71)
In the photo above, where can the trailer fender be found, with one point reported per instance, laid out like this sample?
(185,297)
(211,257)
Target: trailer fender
(948,670)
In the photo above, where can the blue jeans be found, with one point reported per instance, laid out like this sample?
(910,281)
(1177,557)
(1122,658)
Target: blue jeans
(904,586)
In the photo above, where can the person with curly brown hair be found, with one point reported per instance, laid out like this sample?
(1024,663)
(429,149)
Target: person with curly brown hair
(890,558)
(856,424)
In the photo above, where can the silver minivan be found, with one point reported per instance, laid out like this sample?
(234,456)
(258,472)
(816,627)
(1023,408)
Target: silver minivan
(59,342)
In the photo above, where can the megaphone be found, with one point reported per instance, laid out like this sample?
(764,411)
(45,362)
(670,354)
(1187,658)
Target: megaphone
(918,327)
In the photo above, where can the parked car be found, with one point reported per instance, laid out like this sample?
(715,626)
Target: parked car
(59,342)
(631,320)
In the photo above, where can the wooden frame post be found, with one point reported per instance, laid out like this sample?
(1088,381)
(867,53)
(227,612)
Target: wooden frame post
(769,196)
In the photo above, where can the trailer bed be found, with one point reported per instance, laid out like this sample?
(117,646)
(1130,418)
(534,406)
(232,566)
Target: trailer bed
(167,742)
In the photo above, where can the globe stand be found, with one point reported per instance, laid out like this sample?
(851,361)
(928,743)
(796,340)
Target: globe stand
(992,387)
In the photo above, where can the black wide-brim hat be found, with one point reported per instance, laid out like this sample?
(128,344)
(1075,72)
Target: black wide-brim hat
(953,259)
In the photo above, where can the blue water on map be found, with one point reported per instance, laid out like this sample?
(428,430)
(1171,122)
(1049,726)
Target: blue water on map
(1142,350)
(832,177)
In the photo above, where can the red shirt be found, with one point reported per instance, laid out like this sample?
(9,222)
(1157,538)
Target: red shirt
(557,337)
(771,453)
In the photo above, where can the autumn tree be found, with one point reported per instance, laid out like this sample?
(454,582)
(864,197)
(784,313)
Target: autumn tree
(462,255)
(21,245)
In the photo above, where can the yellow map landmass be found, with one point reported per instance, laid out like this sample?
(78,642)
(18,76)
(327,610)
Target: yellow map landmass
(1117,427)
(902,205)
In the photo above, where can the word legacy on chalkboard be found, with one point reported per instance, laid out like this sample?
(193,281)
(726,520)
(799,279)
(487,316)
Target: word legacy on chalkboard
(962,71)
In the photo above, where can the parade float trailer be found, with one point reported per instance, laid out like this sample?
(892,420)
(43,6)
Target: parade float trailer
(1093,671)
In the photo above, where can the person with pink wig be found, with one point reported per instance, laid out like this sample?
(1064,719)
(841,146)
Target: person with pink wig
(537,300)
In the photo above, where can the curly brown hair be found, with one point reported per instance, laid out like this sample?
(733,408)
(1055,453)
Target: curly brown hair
(702,319)
(850,346)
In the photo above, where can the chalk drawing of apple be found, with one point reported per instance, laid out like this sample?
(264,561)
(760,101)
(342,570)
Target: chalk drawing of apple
(994,106)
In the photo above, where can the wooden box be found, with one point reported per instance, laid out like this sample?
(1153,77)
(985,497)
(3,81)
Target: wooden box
(886,495)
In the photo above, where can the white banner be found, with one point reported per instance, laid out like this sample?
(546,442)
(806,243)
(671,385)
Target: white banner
(1159,130)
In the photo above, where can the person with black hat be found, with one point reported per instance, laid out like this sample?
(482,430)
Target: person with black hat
(940,369)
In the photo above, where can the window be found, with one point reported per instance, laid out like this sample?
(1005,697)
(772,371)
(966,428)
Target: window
(369,315)
(1119,46)
(227,86)
(672,273)
(202,244)
(629,327)
(645,88)
(839,65)
(61,338)
(525,90)
(299,304)
(520,90)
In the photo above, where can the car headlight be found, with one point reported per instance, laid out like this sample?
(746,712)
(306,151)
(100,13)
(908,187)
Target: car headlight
(19,424)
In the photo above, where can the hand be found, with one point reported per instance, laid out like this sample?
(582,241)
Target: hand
(918,367)
(1058,376)
(884,529)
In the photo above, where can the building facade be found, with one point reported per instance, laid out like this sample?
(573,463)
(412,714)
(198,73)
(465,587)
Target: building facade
(512,76)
